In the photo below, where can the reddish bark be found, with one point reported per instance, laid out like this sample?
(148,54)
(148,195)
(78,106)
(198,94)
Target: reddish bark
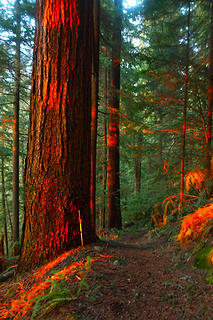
(58,161)
(113,204)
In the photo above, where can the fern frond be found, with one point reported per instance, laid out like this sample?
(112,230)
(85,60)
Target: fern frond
(51,305)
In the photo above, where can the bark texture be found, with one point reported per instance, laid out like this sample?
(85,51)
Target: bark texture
(105,121)
(137,171)
(113,204)
(4,206)
(58,161)
(94,115)
(16,104)
(210,96)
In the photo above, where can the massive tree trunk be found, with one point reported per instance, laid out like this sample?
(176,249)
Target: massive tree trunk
(57,187)
(113,205)
(16,132)
(94,115)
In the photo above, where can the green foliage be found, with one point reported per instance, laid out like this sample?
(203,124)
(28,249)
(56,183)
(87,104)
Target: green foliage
(13,33)
(202,200)
(198,247)
(28,8)
(83,282)
(170,229)
(141,206)
(209,277)
(59,294)
(202,259)
(152,97)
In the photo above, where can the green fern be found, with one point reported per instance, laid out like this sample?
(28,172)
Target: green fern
(83,282)
(198,247)
(59,294)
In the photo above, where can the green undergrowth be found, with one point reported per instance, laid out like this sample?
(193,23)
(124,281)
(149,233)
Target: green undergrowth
(202,259)
(200,251)
(170,229)
(59,294)
(209,277)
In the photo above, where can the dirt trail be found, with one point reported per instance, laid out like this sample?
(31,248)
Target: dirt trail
(145,281)
(140,279)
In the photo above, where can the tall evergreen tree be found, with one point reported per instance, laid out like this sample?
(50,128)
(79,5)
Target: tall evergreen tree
(16,104)
(57,188)
(113,205)
(210,96)
(94,115)
(185,107)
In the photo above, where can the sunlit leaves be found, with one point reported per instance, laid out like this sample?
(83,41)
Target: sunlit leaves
(194,225)
(195,180)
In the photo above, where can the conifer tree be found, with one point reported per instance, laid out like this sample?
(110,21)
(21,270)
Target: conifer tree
(57,187)
(113,205)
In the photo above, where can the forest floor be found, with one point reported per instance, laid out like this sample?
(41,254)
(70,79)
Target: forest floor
(133,277)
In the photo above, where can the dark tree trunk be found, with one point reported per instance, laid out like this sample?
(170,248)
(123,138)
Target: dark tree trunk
(104,169)
(16,133)
(57,187)
(160,140)
(210,96)
(113,205)
(94,115)
(183,140)
(2,262)
(137,170)
(4,206)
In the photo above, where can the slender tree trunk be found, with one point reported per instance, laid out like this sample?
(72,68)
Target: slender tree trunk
(9,213)
(210,96)
(2,261)
(137,169)
(113,205)
(16,134)
(4,206)
(103,222)
(94,115)
(160,140)
(58,169)
(183,142)
(23,167)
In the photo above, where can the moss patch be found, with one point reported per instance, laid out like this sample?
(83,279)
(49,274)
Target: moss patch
(203,259)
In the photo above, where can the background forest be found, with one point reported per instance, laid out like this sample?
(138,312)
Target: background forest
(165,115)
